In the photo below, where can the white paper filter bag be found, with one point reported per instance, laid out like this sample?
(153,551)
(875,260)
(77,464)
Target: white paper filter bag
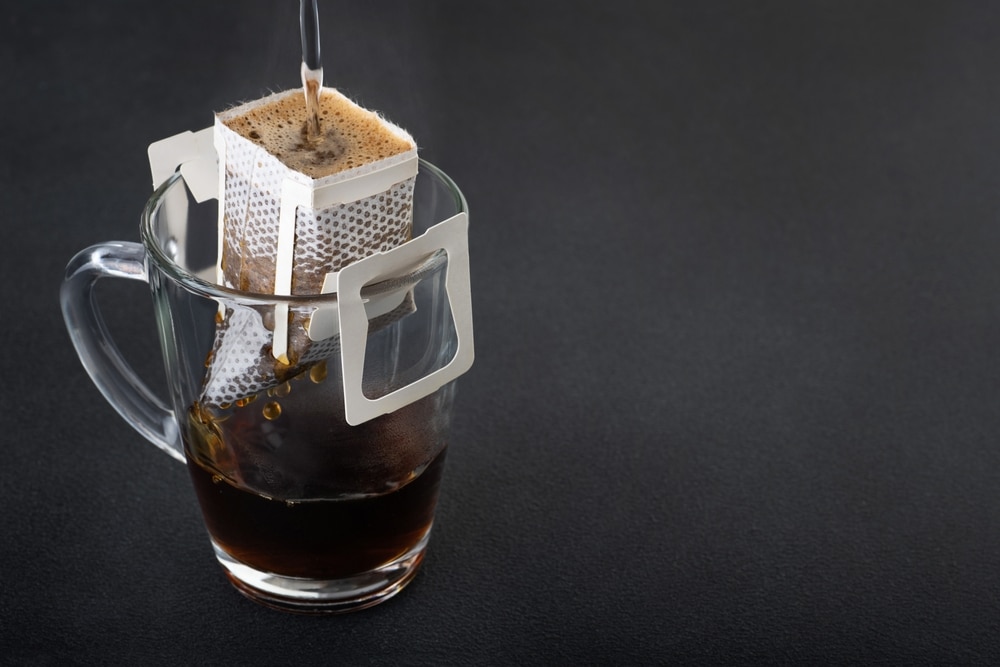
(282,232)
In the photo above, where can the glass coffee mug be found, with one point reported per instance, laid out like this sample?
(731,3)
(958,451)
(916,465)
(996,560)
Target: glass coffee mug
(318,492)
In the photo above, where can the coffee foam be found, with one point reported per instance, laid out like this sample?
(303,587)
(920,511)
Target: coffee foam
(350,136)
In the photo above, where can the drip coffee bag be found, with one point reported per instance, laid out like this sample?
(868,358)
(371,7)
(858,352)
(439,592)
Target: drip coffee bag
(295,208)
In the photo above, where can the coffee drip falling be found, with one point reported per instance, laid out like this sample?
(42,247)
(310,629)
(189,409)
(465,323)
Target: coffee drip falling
(312,68)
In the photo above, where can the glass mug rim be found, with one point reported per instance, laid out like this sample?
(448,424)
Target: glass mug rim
(201,287)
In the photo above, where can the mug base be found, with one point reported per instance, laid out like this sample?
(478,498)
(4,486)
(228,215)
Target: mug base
(323,596)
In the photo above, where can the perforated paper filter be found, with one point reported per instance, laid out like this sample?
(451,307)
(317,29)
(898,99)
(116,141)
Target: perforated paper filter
(282,232)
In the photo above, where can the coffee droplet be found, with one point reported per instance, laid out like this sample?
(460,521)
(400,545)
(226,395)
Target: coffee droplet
(243,402)
(283,389)
(272,411)
(318,372)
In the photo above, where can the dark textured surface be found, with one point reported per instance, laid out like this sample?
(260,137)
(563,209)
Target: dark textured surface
(735,285)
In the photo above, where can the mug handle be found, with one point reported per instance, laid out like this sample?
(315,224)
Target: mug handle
(114,377)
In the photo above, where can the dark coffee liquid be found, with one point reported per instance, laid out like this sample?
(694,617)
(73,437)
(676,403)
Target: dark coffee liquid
(319,539)
(287,487)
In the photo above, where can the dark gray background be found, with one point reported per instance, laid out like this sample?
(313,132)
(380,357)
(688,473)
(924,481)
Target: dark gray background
(736,289)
